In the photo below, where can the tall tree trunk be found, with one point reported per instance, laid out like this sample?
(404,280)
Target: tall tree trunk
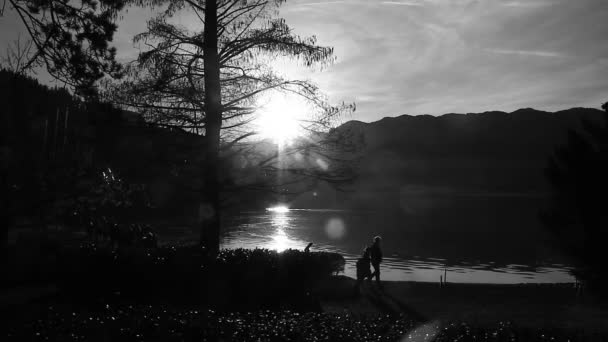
(5,217)
(210,234)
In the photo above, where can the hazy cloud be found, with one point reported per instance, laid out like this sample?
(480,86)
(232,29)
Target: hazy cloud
(528,4)
(321,3)
(462,55)
(440,56)
(403,3)
(526,52)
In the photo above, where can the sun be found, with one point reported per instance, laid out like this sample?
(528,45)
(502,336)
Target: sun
(280,117)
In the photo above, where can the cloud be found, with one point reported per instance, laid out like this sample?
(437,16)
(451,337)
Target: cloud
(463,55)
(526,53)
(321,3)
(403,3)
(359,3)
(528,4)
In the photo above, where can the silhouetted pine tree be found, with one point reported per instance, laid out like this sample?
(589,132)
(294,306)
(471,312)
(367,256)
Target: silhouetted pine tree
(54,148)
(70,38)
(578,172)
(44,140)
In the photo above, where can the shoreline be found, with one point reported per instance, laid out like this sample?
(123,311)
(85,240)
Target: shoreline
(527,305)
(436,283)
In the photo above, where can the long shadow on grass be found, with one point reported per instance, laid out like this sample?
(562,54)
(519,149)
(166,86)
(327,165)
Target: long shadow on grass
(383,301)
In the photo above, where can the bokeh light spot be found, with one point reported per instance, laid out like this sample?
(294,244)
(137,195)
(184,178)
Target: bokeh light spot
(335,228)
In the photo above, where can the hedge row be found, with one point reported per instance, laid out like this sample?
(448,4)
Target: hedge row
(233,279)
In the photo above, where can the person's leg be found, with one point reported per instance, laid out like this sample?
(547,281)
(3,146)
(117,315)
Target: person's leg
(376,271)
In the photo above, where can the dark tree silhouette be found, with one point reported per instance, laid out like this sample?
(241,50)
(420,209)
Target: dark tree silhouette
(71,38)
(26,153)
(579,174)
(207,80)
(53,151)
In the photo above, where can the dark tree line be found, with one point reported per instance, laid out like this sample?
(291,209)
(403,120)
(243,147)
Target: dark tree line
(578,172)
(54,151)
(32,141)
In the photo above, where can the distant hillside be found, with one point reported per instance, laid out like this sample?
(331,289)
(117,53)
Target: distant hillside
(46,134)
(485,154)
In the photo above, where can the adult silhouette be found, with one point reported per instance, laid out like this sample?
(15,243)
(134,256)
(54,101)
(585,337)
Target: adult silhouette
(376,258)
(363,269)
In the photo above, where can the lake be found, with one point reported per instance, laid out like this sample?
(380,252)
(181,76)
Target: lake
(504,249)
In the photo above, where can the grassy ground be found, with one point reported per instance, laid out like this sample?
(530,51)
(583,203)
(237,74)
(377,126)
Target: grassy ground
(535,306)
(529,305)
(400,311)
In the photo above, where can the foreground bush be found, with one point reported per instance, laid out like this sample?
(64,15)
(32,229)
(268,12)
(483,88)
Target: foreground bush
(234,279)
(160,323)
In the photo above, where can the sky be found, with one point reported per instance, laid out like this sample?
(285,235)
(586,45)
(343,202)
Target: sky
(441,56)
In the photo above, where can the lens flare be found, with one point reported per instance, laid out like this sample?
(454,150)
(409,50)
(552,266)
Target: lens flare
(424,333)
(335,228)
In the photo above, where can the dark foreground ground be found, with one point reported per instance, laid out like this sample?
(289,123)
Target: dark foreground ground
(529,305)
(399,311)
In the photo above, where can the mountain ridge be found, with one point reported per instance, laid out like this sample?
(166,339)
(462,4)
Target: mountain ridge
(489,112)
(493,152)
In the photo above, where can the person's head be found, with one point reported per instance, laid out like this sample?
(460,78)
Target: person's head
(377,239)
(366,252)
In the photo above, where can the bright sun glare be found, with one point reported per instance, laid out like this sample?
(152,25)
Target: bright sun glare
(278,209)
(279,117)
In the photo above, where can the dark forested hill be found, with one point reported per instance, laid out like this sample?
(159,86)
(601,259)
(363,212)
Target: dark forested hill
(51,141)
(486,154)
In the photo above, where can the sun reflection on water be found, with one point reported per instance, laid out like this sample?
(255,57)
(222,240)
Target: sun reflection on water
(280,241)
(278,209)
(280,221)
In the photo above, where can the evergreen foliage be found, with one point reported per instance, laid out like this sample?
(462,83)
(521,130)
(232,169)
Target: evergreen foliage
(578,216)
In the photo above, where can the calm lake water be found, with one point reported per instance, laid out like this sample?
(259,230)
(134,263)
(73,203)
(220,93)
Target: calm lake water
(415,248)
